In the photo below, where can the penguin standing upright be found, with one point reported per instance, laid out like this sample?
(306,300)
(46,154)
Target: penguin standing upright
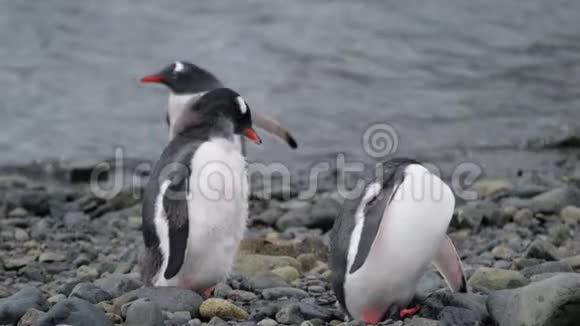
(195,205)
(187,82)
(383,241)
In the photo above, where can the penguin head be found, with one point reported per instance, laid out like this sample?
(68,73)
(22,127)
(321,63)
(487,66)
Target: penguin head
(218,105)
(183,77)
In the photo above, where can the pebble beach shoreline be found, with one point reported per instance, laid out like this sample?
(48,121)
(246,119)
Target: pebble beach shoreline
(70,257)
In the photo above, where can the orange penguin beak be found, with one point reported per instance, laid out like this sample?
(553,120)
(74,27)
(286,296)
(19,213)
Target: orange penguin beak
(251,134)
(153,79)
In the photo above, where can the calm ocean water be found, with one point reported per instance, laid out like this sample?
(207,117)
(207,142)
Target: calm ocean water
(458,80)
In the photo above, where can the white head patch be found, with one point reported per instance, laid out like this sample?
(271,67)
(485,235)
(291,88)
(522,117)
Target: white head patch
(373,190)
(242,104)
(178,67)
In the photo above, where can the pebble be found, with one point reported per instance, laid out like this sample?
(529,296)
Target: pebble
(290,314)
(571,213)
(143,313)
(222,290)
(51,256)
(90,292)
(31,317)
(74,311)
(540,303)
(548,267)
(117,284)
(487,188)
(502,252)
(72,219)
(288,273)
(56,299)
(280,292)
(250,265)
(21,235)
(573,261)
(524,217)
(497,279)
(87,273)
(215,307)
(14,263)
(16,305)
(265,280)
(267,322)
(240,295)
(542,249)
(167,298)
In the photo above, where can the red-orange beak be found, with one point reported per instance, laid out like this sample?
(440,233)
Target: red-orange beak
(153,79)
(251,133)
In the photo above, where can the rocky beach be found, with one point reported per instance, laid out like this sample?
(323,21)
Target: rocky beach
(71,257)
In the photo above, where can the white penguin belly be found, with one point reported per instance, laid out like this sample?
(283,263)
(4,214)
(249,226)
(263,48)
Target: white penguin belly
(413,226)
(218,211)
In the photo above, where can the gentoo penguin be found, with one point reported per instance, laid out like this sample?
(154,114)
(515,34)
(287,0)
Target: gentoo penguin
(188,82)
(383,242)
(195,205)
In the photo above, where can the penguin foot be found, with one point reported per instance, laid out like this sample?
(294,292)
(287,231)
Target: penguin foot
(372,316)
(409,312)
(208,292)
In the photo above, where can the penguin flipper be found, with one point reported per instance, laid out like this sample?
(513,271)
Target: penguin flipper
(449,265)
(175,205)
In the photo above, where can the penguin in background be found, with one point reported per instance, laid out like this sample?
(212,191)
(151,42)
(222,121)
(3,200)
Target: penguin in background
(187,82)
(195,205)
(383,242)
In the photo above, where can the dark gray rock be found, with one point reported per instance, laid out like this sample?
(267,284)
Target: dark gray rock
(36,202)
(419,321)
(267,322)
(72,219)
(118,284)
(264,280)
(496,279)
(268,217)
(241,295)
(524,217)
(90,292)
(167,298)
(74,311)
(474,213)
(313,311)
(554,200)
(222,290)
(548,267)
(323,213)
(67,287)
(542,249)
(31,317)
(435,303)
(143,313)
(460,317)
(290,314)
(551,302)
(280,292)
(16,305)
(217,321)
(294,218)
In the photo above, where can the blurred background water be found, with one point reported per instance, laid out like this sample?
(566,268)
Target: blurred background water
(458,80)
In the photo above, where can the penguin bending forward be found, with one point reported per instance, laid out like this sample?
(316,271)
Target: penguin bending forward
(187,82)
(195,205)
(383,242)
